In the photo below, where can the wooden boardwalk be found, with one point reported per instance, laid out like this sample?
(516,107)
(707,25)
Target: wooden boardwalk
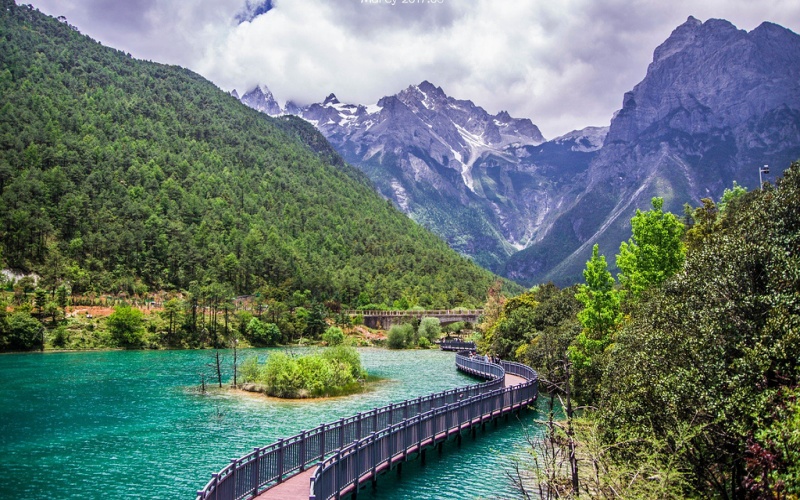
(298,486)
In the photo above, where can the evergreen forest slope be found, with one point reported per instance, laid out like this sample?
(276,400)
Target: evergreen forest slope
(121,175)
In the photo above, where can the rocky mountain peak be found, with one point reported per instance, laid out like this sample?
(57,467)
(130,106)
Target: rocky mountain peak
(694,33)
(260,98)
(423,96)
(770,29)
(681,37)
(716,102)
(503,117)
(709,75)
(427,86)
(430,147)
(292,108)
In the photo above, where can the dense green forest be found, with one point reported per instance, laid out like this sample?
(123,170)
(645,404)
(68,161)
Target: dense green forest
(685,368)
(125,177)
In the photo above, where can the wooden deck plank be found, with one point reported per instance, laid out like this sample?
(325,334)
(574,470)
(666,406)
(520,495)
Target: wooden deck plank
(297,486)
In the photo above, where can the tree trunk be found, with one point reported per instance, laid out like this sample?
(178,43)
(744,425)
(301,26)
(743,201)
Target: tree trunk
(233,341)
(219,372)
(573,460)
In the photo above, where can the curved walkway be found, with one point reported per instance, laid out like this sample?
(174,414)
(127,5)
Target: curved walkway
(296,487)
(336,458)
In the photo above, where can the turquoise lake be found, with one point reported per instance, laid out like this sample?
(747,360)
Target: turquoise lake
(134,424)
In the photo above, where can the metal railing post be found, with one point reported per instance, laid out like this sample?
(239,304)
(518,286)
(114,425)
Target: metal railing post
(232,477)
(337,467)
(280,461)
(257,464)
(302,451)
(322,442)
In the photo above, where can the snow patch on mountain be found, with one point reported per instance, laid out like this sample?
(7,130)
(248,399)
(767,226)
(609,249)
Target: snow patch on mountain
(585,140)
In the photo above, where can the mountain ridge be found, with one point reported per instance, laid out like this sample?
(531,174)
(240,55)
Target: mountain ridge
(441,159)
(715,101)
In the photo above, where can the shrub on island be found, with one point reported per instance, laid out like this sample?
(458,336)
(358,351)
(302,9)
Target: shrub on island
(332,371)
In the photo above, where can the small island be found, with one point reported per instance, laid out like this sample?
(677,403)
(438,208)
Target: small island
(332,371)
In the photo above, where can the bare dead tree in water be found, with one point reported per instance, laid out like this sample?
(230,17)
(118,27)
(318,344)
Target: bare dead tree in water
(234,341)
(219,369)
(216,366)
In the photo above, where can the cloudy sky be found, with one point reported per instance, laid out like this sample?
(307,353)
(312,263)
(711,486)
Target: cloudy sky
(563,63)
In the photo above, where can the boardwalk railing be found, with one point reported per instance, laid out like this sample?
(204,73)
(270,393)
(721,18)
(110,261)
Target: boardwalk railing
(456,345)
(365,458)
(246,476)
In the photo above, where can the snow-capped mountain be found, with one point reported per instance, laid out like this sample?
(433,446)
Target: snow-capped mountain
(468,175)
(261,99)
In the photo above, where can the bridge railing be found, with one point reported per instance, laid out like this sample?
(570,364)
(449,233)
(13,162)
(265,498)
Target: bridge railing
(412,313)
(519,370)
(364,457)
(246,476)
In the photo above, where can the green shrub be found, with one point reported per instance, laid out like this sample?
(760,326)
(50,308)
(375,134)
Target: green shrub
(333,336)
(400,336)
(316,374)
(60,336)
(281,375)
(430,329)
(331,371)
(23,333)
(249,370)
(454,327)
(260,333)
(424,343)
(348,356)
(126,325)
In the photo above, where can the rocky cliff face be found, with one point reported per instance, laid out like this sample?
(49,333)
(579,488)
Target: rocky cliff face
(716,104)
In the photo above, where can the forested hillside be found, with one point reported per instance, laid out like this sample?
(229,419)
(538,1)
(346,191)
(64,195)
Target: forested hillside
(120,175)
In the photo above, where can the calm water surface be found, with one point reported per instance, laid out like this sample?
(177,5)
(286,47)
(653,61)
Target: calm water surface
(133,424)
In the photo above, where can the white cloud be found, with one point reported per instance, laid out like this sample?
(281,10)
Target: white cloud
(564,64)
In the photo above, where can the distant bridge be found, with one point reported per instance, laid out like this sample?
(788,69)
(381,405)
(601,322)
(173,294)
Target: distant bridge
(384,320)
